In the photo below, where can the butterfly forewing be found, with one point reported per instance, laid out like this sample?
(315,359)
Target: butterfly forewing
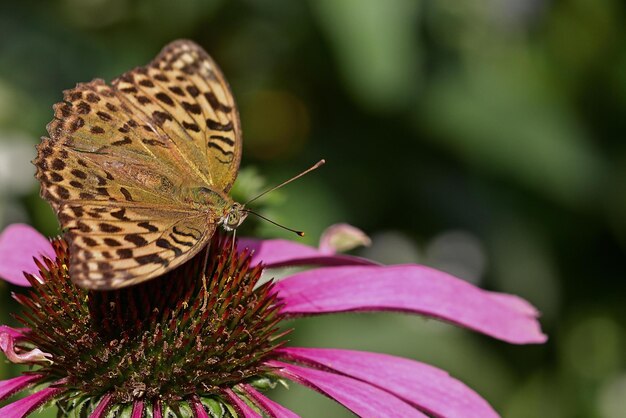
(183,96)
(121,159)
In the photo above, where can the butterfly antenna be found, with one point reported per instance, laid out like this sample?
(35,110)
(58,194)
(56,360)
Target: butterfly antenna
(299,233)
(315,166)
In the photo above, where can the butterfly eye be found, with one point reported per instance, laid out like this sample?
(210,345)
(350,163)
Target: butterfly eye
(235,217)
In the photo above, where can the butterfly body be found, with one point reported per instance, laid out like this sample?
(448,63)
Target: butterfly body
(216,204)
(139,171)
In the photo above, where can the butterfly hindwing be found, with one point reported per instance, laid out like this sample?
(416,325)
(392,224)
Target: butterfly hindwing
(109,248)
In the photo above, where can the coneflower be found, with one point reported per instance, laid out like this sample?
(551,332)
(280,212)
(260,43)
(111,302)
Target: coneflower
(207,342)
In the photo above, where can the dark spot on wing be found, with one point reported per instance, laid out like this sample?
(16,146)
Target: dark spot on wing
(177,90)
(83,108)
(193,91)
(92,98)
(112,242)
(165,99)
(191,126)
(136,239)
(79,174)
(151,258)
(216,126)
(58,164)
(124,252)
(160,117)
(63,192)
(148,226)
(105,227)
(192,108)
(120,214)
(90,242)
(126,194)
(163,243)
(104,116)
(55,177)
(124,141)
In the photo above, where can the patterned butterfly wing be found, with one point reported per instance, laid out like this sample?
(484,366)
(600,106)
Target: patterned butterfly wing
(109,250)
(121,159)
(185,97)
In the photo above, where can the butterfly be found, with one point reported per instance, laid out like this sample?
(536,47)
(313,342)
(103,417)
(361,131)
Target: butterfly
(138,171)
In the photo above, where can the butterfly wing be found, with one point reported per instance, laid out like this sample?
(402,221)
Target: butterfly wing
(109,250)
(98,151)
(184,96)
(124,150)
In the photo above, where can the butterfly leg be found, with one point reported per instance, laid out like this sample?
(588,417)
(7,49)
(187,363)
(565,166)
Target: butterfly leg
(205,288)
(232,248)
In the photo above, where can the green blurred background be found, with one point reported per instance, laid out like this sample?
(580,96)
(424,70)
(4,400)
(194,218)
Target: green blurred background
(482,137)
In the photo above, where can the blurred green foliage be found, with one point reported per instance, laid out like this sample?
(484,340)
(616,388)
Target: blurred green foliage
(483,137)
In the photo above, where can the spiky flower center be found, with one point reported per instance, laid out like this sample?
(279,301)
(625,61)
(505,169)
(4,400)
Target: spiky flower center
(181,335)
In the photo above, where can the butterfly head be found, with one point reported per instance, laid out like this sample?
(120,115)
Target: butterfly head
(234,216)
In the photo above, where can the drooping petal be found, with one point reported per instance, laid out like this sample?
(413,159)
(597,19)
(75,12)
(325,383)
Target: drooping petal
(408,288)
(243,407)
(281,253)
(23,407)
(430,389)
(361,398)
(342,237)
(19,243)
(7,345)
(137,409)
(11,386)
(157,409)
(274,409)
(198,409)
(102,407)
(14,332)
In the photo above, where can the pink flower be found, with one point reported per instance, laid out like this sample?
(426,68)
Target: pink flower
(246,353)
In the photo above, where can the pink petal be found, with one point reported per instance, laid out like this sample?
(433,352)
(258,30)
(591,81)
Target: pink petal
(361,398)
(517,303)
(342,237)
(137,409)
(11,386)
(408,288)
(23,407)
(156,409)
(430,389)
(15,355)
(240,405)
(281,253)
(19,243)
(14,332)
(275,410)
(198,408)
(102,407)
